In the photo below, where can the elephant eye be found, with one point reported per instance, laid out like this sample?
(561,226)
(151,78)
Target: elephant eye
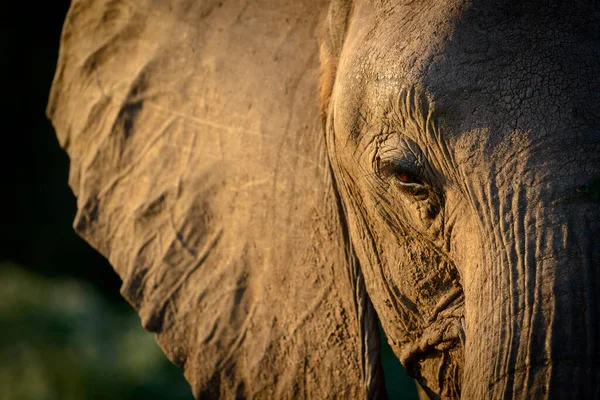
(408,178)
(410,184)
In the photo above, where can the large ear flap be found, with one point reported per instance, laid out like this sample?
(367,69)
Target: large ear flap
(201,173)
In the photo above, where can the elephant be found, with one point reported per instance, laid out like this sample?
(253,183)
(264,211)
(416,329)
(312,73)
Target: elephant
(272,178)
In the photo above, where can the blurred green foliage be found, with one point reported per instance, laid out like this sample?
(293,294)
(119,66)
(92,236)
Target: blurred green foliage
(62,341)
(398,384)
(65,341)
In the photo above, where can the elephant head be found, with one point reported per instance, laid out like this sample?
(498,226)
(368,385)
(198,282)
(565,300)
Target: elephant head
(269,177)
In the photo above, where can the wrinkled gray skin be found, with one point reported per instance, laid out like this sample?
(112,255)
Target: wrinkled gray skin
(265,176)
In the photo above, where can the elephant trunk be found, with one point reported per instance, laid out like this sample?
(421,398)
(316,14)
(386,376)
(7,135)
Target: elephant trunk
(533,304)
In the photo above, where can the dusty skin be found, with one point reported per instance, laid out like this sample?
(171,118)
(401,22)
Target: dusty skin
(268,177)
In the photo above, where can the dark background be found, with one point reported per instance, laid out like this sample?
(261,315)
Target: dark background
(40,206)
(66,332)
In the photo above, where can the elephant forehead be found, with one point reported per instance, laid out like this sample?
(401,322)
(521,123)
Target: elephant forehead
(524,68)
(519,86)
(387,49)
(484,67)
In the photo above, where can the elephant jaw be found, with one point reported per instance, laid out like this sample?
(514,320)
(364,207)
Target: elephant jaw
(435,358)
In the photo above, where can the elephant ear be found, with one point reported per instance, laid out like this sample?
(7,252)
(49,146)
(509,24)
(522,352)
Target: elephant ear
(201,173)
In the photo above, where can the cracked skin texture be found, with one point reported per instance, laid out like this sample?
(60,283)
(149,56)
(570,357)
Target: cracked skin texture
(269,177)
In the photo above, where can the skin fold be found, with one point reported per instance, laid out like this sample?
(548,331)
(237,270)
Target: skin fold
(271,178)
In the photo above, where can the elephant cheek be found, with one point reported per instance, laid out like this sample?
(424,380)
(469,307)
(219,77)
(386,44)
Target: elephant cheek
(532,308)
